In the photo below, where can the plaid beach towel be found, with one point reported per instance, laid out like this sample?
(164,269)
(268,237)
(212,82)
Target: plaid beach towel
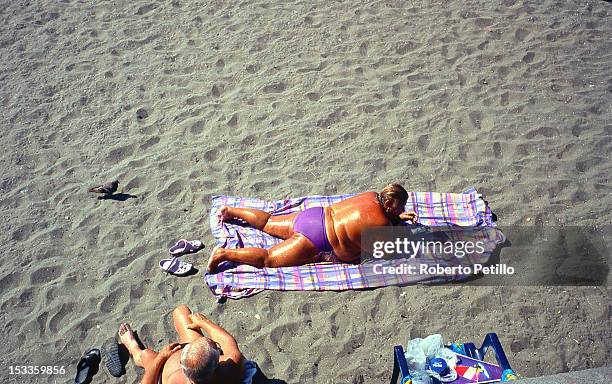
(465,209)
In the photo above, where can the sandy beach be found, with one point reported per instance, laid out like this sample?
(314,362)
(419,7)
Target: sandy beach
(181,100)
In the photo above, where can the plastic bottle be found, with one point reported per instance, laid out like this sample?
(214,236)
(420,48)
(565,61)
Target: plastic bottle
(420,377)
(419,352)
(415,357)
(431,345)
(449,356)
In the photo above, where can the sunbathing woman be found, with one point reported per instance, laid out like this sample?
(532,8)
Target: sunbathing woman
(307,233)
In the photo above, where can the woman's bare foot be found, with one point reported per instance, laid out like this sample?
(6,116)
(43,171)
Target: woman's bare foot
(223,214)
(126,336)
(214,259)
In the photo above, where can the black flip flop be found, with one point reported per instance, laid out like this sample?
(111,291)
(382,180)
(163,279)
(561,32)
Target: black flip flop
(87,366)
(112,358)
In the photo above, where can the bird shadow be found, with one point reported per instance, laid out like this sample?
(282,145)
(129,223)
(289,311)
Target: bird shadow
(117,197)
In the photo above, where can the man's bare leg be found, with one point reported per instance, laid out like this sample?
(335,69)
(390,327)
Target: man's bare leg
(297,250)
(142,357)
(280,226)
(180,316)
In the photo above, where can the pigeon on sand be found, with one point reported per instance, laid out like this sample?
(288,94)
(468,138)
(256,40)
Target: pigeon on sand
(106,189)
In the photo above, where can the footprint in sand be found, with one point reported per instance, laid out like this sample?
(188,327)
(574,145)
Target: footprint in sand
(475,118)
(171,191)
(233,121)
(251,68)
(45,274)
(313,96)
(146,9)
(497,150)
(395,90)
(275,88)
(423,143)
(149,143)
(528,58)
(521,34)
(220,64)
(66,311)
(215,92)
(197,127)
(363,49)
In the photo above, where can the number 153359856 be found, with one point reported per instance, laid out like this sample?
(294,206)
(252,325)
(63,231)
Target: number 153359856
(37,370)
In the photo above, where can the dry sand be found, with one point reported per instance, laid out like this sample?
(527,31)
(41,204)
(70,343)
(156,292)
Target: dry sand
(180,100)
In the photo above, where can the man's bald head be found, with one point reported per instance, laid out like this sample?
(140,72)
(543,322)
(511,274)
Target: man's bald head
(200,359)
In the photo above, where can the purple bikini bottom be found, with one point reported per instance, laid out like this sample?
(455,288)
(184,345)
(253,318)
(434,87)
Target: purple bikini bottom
(311,223)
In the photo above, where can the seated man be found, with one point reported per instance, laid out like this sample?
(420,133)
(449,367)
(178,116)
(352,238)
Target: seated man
(195,359)
(307,233)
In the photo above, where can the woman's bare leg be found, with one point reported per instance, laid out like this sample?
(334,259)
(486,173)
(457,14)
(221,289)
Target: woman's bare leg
(142,357)
(280,226)
(297,250)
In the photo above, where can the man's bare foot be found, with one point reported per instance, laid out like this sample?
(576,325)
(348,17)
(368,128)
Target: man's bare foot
(126,336)
(214,259)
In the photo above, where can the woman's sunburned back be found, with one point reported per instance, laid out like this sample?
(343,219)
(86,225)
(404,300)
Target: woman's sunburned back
(345,221)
